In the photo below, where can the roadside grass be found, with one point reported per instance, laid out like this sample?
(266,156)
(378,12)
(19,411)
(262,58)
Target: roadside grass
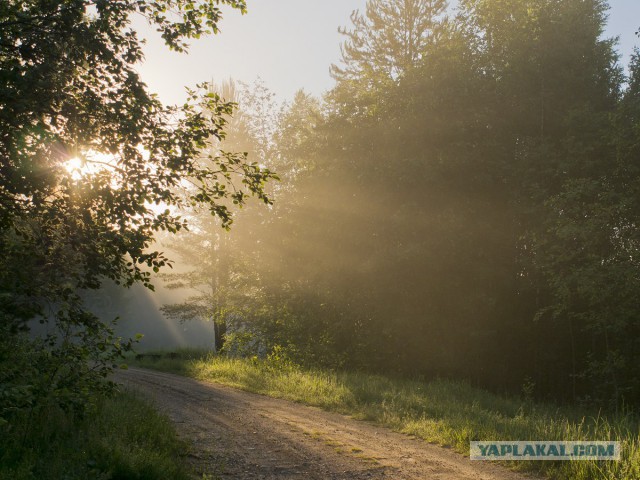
(121,438)
(445,412)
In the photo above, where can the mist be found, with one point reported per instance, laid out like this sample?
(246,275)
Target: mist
(420,224)
(442,211)
(137,310)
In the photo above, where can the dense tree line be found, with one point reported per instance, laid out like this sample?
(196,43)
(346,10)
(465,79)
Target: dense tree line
(463,203)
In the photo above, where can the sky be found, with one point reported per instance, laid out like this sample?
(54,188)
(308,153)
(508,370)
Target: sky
(290,45)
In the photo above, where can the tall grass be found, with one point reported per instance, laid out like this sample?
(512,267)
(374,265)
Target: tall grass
(441,411)
(122,438)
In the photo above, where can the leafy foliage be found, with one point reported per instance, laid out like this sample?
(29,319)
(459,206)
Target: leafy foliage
(472,215)
(388,40)
(93,166)
(218,265)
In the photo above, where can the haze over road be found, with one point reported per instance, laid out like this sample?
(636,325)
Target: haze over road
(241,435)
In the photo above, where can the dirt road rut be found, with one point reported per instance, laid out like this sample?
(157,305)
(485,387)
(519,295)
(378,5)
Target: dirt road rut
(240,435)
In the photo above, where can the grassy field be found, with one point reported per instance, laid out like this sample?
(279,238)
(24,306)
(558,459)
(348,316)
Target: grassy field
(440,411)
(124,438)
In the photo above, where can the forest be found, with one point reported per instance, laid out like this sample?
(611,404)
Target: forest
(463,204)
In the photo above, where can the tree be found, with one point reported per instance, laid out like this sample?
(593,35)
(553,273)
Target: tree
(391,38)
(220,264)
(589,251)
(92,167)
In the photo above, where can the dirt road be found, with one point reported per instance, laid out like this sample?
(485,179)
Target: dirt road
(241,435)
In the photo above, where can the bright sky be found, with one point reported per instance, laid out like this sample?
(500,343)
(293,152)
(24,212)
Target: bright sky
(290,45)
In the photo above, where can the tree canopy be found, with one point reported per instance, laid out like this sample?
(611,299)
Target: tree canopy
(474,215)
(386,41)
(92,166)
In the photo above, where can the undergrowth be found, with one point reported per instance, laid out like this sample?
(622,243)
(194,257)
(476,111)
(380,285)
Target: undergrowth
(119,438)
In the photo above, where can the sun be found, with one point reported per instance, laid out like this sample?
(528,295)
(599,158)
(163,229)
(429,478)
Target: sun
(89,163)
(74,167)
